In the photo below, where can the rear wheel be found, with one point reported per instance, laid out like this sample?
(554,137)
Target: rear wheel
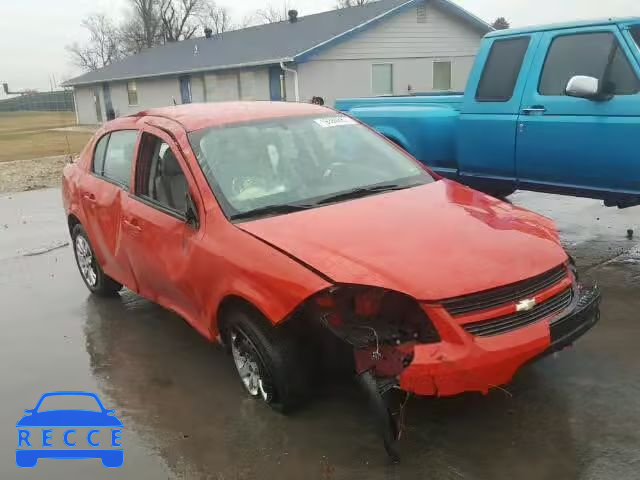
(94,278)
(269,360)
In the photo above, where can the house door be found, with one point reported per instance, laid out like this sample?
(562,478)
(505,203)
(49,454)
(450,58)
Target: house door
(185,89)
(275,83)
(108,106)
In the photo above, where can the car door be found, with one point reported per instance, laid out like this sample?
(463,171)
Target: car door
(158,238)
(102,195)
(584,145)
(487,126)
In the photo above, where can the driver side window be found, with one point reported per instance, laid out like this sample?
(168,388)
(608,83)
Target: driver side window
(159,177)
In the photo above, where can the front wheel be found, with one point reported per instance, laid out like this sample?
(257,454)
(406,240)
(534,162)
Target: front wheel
(94,278)
(269,360)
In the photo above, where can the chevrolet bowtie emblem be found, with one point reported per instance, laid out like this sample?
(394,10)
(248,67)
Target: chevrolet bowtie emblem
(526,305)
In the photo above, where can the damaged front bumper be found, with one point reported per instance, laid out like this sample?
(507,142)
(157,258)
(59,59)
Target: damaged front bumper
(462,362)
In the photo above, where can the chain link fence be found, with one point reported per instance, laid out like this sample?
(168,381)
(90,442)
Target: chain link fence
(60,101)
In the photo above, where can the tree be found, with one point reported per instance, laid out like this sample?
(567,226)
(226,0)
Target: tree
(216,18)
(272,14)
(150,23)
(103,46)
(500,23)
(178,18)
(351,3)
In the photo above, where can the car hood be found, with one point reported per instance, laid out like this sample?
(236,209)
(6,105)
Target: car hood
(69,418)
(432,242)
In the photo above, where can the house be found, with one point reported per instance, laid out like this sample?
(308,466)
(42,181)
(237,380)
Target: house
(386,47)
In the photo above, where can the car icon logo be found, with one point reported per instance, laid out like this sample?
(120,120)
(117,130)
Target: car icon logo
(526,305)
(80,433)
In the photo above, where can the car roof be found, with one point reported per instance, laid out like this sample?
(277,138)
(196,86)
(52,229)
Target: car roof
(196,116)
(563,26)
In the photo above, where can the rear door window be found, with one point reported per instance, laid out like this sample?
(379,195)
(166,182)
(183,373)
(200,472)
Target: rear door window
(119,157)
(597,55)
(502,69)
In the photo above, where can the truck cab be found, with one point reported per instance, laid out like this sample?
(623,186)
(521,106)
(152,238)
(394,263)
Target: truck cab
(553,109)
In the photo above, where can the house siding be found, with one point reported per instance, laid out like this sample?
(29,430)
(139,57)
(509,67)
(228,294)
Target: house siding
(412,47)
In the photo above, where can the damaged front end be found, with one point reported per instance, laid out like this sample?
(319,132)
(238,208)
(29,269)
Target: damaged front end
(398,344)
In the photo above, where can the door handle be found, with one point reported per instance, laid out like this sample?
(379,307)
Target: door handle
(534,109)
(90,197)
(133,225)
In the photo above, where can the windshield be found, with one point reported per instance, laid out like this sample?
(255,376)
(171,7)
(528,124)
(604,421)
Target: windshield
(299,162)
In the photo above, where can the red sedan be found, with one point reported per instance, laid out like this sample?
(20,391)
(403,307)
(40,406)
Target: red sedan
(297,236)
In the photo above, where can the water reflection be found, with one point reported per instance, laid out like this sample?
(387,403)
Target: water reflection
(183,396)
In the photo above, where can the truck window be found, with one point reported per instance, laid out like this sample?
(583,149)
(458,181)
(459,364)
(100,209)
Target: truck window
(502,69)
(596,55)
(635,33)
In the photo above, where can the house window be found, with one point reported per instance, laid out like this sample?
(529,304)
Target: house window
(442,75)
(132,92)
(382,79)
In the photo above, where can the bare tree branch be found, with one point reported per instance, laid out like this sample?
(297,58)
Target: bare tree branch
(103,46)
(352,3)
(216,18)
(178,18)
(273,14)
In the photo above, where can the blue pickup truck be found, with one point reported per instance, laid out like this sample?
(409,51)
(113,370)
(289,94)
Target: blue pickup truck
(552,109)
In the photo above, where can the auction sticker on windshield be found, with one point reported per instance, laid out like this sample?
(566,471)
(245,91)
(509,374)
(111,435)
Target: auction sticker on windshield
(328,122)
(82,428)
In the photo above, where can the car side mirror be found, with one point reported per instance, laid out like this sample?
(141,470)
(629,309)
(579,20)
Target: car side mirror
(582,86)
(191,214)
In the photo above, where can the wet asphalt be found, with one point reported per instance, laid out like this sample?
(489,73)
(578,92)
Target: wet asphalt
(575,415)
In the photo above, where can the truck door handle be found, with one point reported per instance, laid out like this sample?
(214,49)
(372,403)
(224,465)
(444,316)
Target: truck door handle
(90,197)
(133,225)
(534,109)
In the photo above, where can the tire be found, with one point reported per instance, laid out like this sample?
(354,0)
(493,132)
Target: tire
(275,354)
(91,272)
(501,194)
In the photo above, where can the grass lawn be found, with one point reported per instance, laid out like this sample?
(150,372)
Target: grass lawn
(25,135)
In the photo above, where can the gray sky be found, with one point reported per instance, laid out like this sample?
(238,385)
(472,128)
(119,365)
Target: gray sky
(33,33)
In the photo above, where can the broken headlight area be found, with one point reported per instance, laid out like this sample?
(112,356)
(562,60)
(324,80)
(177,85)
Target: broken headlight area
(381,326)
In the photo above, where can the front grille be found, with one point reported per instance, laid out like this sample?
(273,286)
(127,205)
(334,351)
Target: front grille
(504,295)
(521,319)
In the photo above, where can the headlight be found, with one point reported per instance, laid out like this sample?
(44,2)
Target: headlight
(364,316)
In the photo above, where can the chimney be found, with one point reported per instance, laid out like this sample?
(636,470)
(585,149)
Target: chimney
(293,16)
(208,32)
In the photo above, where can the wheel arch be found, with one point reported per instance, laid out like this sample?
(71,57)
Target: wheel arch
(235,302)
(72,221)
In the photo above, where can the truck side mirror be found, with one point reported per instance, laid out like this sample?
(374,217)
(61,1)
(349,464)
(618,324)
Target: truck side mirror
(582,86)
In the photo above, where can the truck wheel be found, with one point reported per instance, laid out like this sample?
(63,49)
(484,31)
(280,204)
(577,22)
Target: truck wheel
(94,278)
(269,360)
(502,194)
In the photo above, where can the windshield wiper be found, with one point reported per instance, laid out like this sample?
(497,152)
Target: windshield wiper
(363,192)
(270,210)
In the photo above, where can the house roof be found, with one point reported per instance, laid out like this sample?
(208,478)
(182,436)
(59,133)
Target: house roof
(259,45)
